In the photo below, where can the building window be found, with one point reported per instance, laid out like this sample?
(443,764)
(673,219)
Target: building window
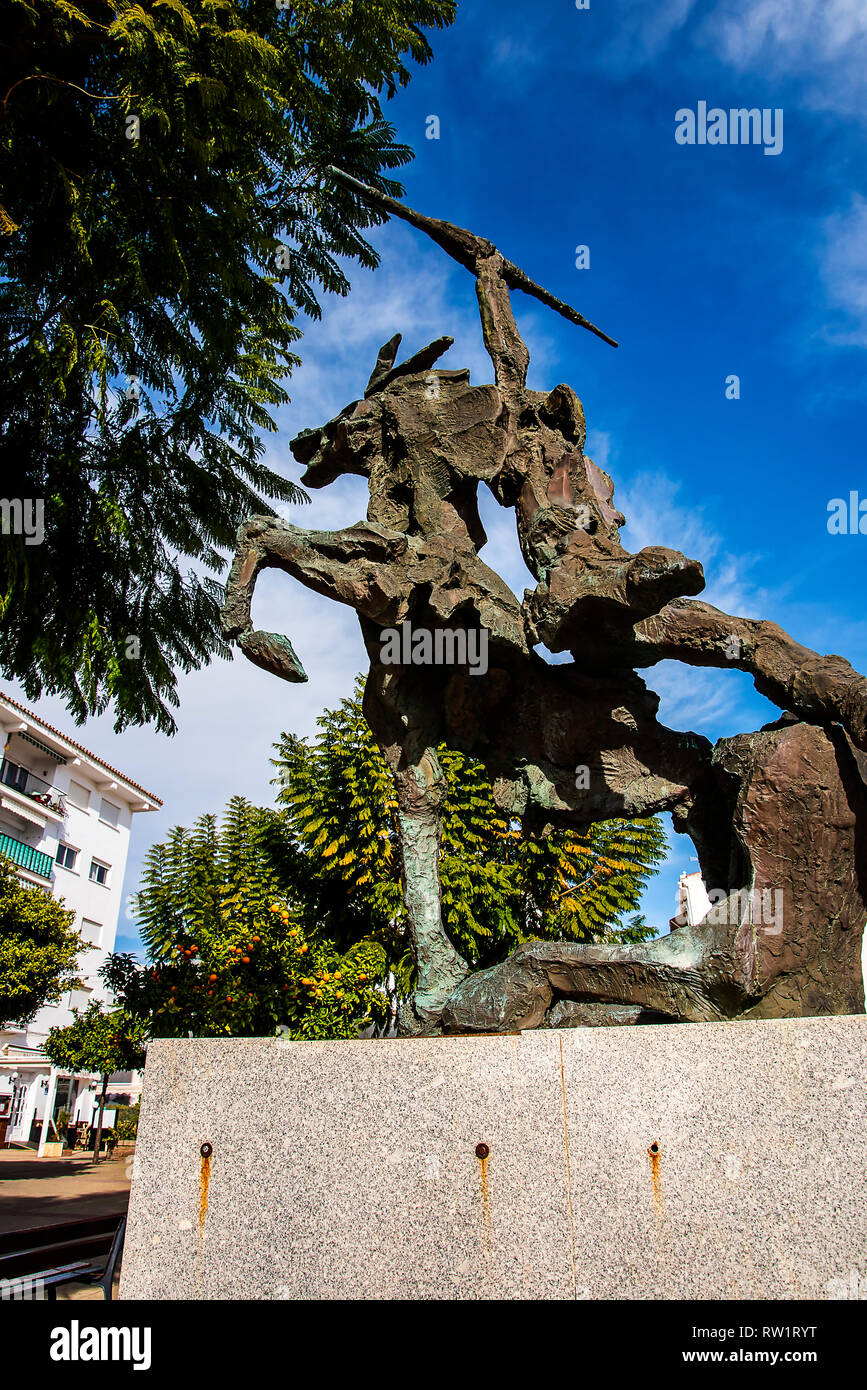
(99,872)
(78,796)
(66,857)
(109,814)
(91,931)
(14,776)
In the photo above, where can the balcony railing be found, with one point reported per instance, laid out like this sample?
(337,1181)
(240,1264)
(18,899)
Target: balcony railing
(22,780)
(26,857)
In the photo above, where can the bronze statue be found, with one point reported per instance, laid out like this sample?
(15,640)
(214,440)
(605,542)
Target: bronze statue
(779,814)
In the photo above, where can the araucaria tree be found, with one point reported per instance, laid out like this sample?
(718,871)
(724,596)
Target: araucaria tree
(38,948)
(165,213)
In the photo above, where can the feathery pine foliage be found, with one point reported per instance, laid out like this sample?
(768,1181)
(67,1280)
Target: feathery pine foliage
(499,885)
(230,951)
(337,842)
(164,215)
(295,918)
(38,948)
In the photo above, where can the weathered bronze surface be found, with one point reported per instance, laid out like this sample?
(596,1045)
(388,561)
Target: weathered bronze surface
(781,810)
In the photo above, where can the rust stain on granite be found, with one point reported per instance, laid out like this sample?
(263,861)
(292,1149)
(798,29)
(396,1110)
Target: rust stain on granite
(204,1180)
(655,1157)
(482,1154)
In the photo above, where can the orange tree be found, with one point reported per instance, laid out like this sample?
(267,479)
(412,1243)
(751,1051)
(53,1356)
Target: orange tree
(39,947)
(229,952)
(101,1042)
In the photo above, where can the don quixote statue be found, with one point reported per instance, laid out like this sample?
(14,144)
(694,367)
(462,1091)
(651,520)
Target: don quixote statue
(779,811)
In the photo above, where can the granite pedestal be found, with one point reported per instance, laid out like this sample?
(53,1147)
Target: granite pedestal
(655,1162)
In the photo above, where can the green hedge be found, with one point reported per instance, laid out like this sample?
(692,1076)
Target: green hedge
(126,1121)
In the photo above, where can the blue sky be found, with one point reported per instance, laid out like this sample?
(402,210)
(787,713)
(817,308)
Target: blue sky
(557,130)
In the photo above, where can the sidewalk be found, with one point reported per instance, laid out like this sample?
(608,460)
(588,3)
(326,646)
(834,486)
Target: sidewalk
(50,1191)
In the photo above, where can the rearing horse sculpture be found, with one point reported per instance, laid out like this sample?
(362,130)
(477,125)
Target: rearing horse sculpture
(779,810)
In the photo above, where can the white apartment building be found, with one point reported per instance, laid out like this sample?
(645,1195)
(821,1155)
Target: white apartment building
(65,821)
(693,903)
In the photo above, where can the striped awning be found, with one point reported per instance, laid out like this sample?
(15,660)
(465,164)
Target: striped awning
(43,748)
(23,812)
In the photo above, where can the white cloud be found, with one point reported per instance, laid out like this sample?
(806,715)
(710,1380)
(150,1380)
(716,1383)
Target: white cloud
(515,53)
(645,30)
(784,38)
(502,551)
(657,513)
(231,714)
(417,291)
(820,44)
(711,702)
(716,703)
(708,701)
(598,447)
(844,270)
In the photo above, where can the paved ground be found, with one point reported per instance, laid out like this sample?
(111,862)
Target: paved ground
(49,1191)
